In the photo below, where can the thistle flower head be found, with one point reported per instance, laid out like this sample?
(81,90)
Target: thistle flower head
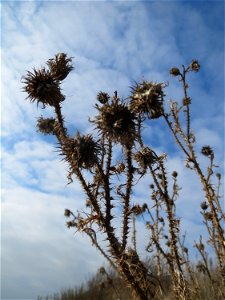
(82,151)
(116,121)
(60,66)
(145,156)
(46,125)
(147,99)
(43,87)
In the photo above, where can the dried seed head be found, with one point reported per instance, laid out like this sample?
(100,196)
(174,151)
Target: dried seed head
(43,87)
(168,243)
(137,210)
(218,175)
(187,101)
(174,174)
(71,224)
(103,97)
(160,176)
(175,71)
(145,157)
(120,168)
(207,151)
(208,216)
(201,246)
(147,99)
(67,213)
(144,207)
(204,205)
(116,121)
(46,125)
(185,250)
(88,203)
(82,151)
(148,225)
(195,66)
(60,66)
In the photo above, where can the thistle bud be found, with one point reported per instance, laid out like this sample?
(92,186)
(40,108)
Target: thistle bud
(207,151)
(208,216)
(185,250)
(187,101)
(218,175)
(195,66)
(175,71)
(103,97)
(67,213)
(174,174)
(204,205)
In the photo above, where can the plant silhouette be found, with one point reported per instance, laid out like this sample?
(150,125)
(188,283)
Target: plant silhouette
(119,124)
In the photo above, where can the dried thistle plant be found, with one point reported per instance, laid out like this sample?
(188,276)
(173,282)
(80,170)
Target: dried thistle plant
(110,185)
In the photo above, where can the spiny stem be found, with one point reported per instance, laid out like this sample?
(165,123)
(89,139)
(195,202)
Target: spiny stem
(126,211)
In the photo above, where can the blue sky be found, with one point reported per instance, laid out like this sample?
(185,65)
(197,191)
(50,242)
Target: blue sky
(113,44)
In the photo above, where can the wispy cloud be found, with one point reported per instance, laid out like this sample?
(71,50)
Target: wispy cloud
(113,44)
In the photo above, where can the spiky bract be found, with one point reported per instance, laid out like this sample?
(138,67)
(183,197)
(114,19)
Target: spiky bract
(60,66)
(43,87)
(82,151)
(147,99)
(116,121)
(46,125)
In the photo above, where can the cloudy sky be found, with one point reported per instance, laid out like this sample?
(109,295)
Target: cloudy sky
(113,44)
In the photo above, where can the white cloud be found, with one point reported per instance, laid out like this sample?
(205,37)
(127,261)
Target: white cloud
(37,246)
